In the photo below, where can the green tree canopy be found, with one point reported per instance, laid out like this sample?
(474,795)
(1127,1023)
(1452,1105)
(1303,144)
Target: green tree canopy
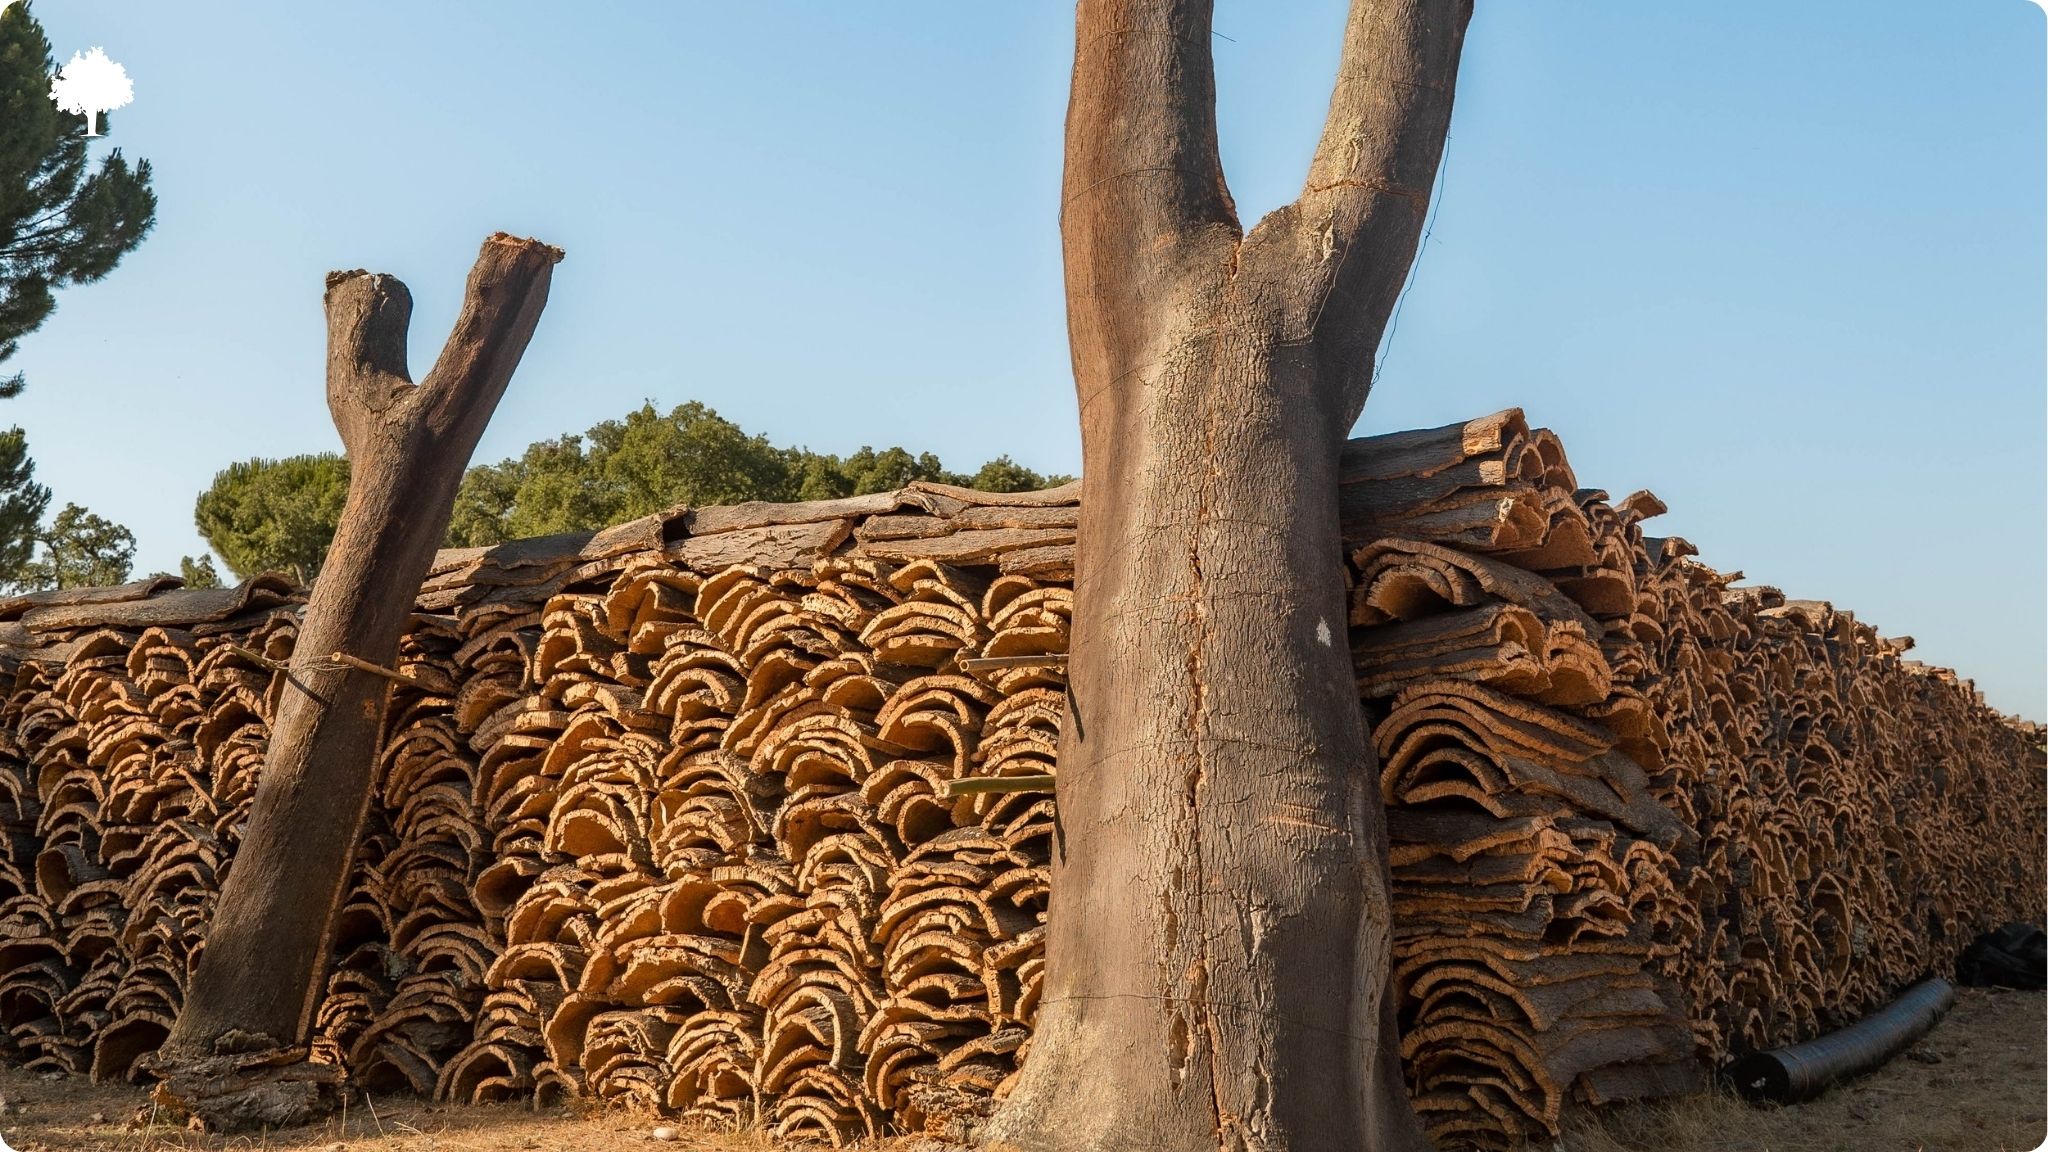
(62,221)
(616,471)
(1003,474)
(79,550)
(274,515)
(280,515)
(868,471)
(621,469)
(22,503)
(196,573)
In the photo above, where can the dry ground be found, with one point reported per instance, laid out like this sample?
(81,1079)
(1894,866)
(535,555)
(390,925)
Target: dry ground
(1988,1092)
(1978,1086)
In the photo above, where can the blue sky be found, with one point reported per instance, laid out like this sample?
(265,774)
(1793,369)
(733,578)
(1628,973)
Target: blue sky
(1781,263)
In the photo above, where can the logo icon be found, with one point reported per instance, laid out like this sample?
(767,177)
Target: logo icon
(89,85)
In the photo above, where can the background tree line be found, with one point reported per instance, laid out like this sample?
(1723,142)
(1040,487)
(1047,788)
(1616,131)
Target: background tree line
(279,515)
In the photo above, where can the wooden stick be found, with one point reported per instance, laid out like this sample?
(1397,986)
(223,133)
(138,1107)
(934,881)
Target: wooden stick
(362,665)
(985,784)
(253,655)
(978,663)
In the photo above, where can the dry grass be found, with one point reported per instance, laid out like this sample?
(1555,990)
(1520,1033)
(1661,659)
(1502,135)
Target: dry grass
(1987,1093)
(42,1116)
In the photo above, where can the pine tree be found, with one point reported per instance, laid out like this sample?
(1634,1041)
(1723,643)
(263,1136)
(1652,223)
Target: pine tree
(61,221)
(198,573)
(22,503)
(274,515)
(80,550)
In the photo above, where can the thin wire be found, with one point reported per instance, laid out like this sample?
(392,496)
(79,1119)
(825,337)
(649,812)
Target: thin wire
(1443,168)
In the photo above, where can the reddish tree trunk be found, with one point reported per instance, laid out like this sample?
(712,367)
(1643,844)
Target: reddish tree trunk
(1217,948)
(259,979)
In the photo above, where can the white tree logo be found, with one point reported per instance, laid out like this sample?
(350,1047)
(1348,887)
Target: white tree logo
(89,85)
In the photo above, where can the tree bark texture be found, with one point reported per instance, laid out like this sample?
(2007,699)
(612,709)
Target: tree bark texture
(261,972)
(1218,939)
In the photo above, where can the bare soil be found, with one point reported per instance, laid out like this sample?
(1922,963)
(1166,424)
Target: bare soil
(1977,1083)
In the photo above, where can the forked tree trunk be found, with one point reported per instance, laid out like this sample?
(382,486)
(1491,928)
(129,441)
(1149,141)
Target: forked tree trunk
(1217,948)
(260,975)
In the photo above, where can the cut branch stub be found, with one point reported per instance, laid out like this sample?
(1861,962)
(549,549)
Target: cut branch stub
(367,318)
(263,967)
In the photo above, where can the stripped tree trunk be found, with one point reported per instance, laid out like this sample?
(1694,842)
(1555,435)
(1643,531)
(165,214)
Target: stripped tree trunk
(1217,950)
(260,975)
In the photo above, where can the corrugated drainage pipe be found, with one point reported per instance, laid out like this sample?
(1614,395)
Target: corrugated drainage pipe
(1803,1071)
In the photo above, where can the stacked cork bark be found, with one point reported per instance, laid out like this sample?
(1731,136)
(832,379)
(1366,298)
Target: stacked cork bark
(1640,819)
(671,813)
(1859,821)
(1533,864)
(692,845)
(130,742)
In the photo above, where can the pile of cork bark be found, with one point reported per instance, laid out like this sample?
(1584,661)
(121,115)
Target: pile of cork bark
(1533,860)
(673,813)
(131,735)
(720,862)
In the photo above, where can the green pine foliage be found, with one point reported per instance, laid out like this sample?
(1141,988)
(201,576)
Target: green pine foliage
(194,573)
(62,221)
(22,504)
(79,550)
(274,515)
(198,573)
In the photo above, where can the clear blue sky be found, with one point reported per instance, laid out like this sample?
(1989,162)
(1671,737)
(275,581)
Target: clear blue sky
(1780,263)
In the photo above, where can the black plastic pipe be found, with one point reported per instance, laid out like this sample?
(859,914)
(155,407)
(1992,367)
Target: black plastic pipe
(1803,1071)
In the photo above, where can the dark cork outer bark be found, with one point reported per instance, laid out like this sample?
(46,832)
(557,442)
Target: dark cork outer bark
(1217,950)
(260,975)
